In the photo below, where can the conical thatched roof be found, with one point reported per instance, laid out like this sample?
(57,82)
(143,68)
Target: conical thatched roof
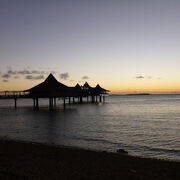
(49,84)
(78,86)
(86,86)
(99,88)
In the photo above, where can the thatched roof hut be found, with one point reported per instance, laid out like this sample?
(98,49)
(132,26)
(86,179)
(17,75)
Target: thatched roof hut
(53,88)
(78,86)
(49,88)
(99,90)
(86,86)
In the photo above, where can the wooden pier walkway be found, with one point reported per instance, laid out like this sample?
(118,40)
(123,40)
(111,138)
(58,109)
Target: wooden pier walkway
(14,95)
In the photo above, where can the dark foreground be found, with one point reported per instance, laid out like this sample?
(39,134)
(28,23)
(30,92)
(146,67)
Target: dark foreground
(19,160)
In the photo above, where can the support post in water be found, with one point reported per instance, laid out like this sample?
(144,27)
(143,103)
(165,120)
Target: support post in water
(50,104)
(100,98)
(37,104)
(104,98)
(15,102)
(34,104)
(80,100)
(54,102)
(64,103)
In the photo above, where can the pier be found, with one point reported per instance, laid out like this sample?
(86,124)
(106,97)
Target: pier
(53,89)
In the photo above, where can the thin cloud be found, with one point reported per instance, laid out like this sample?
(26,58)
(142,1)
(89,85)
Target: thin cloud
(30,77)
(28,72)
(147,77)
(6,76)
(16,77)
(140,77)
(5,80)
(85,77)
(10,72)
(24,72)
(37,72)
(64,76)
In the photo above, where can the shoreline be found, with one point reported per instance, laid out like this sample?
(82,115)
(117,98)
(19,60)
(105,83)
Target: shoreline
(28,160)
(88,149)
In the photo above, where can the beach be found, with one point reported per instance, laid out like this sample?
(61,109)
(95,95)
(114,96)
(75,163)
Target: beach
(35,161)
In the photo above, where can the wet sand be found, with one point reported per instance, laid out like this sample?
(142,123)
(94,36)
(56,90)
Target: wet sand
(21,160)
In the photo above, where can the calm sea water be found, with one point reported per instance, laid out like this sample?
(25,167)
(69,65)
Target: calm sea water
(142,125)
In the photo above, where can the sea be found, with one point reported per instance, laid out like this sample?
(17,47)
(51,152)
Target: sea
(142,125)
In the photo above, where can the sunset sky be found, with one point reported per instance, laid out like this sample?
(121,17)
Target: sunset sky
(127,46)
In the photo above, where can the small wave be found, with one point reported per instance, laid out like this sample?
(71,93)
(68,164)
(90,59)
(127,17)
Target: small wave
(156,149)
(96,140)
(165,150)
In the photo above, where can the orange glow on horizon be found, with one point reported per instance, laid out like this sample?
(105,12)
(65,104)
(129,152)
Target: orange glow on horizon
(115,88)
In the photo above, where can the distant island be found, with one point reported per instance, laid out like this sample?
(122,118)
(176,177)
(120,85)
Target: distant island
(138,94)
(131,94)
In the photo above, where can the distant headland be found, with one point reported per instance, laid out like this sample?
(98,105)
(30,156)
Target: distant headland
(132,94)
(139,94)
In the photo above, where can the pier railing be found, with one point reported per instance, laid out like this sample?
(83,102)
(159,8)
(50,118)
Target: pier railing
(13,94)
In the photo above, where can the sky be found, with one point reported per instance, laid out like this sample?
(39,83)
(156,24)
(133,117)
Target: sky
(126,46)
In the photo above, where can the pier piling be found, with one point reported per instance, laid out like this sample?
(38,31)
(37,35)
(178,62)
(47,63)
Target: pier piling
(100,98)
(15,102)
(64,103)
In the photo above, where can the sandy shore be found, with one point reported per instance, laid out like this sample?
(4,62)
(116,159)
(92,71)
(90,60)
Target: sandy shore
(20,160)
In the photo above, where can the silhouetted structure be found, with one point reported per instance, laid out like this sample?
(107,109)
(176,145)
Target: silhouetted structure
(53,89)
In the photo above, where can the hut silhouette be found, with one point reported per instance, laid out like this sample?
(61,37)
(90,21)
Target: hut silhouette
(86,86)
(87,89)
(52,89)
(77,90)
(99,90)
(49,88)
(78,86)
